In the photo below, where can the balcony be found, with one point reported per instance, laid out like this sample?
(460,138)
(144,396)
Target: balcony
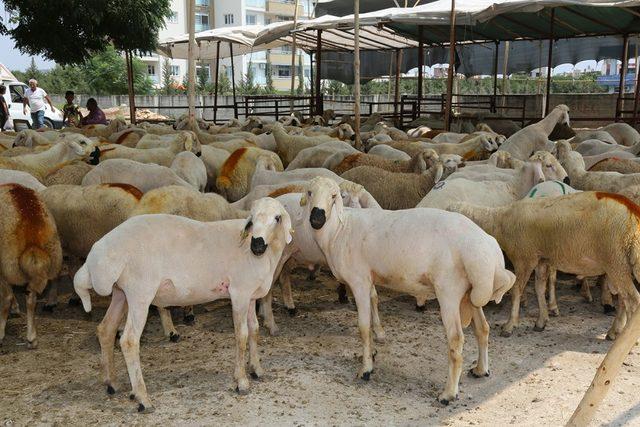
(281,58)
(202,27)
(282,8)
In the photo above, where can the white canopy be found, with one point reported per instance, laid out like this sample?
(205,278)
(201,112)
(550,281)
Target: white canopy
(6,75)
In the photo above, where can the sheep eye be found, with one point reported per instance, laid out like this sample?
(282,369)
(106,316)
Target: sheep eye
(248,226)
(549,166)
(334,196)
(309,193)
(278,218)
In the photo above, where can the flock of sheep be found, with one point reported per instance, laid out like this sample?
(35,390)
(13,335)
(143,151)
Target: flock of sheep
(186,214)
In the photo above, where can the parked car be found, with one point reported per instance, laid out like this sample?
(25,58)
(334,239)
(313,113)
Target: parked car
(14,96)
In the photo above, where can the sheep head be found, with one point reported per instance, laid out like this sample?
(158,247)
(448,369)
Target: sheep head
(268,224)
(322,201)
(551,167)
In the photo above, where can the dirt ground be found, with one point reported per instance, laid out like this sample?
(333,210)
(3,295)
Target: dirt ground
(537,378)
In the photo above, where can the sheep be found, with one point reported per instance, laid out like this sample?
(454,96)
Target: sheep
(551,188)
(623,133)
(83,215)
(265,173)
(32,138)
(409,147)
(534,137)
(116,125)
(477,148)
(589,161)
(21,151)
(395,190)
(394,133)
(266,141)
(213,159)
(30,252)
(127,137)
(418,132)
(21,178)
(434,254)
(372,140)
(290,120)
(483,193)
(289,146)
(592,147)
(418,163)
(234,179)
(167,141)
(42,164)
(613,164)
(189,167)
(342,132)
(389,152)
(316,156)
(162,156)
(588,234)
(141,254)
(585,135)
(582,179)
(144,176)
(68,173)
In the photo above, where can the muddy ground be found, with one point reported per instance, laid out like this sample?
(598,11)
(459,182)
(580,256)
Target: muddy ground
(537,378)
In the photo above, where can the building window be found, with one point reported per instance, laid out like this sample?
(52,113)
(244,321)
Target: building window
(283,70)
(228,18)
(175,70)
(173,19)
(151,70)
(252,19)
(202,2)
(202,21)
(200,69)
(267,21)
(281,18)
(285,48)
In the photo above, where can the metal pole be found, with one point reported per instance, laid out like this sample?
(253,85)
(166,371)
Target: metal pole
(132,99)
(452,59)
(396,96)
(311,80)
(233,82)
(319,106)
(293,58)
(549,63)
(215,98)
(191,89)
(495,77)
(623,75)
(420,64)
(356,72)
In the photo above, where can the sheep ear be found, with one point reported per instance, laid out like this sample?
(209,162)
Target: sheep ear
(286,226)
(439,172)
(245,230)
(303,200)
(188,145)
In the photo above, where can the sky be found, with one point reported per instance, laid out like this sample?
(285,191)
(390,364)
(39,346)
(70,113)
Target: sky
(11,57)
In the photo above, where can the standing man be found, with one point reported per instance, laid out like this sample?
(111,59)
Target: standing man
(35,97)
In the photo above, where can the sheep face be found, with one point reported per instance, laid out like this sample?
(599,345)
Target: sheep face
(269,224)
(351,194)
(345,132)
(323,194)
(552,169)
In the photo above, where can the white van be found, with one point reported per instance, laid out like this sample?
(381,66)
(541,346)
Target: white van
(14,95)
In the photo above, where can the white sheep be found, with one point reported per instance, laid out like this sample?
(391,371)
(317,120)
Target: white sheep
(189,167)
(389,152)
(289,145)
(265,173)
(213,159)
(139,257)
(234,177)
(623,133)
(22,178)
(432,254)
(316,156)
(592,147)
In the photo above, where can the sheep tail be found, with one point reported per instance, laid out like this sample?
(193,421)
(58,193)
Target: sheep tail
(503,280)
(82,285)
(634,256)
(223,182)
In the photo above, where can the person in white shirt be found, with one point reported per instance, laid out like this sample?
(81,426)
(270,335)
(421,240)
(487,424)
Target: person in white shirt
(34,97)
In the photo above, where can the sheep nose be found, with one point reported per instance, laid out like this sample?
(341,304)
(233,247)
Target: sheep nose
(353,137)
(260,126)
(258,246)
(199,153)
(567,180)
(317,218)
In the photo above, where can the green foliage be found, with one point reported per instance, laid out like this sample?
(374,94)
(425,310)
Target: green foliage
(224,83)
(247,84)
(168,84)
(300,89)
(268,88)
(202,78)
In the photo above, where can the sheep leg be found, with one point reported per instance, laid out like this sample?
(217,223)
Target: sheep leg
(130,346)
(362,294)
(619,322)
(52,296)
(606,296)
(15,308)
(450,314)
(553,302)
(255,369)
(167,324)
(523,272)
(285,285)
(481,331)
(342,294)
(585,289)
(240,324)
(32,338)
(189,316)
(266,311)
(107,330)
(541,274)
(378,330)
(6,297)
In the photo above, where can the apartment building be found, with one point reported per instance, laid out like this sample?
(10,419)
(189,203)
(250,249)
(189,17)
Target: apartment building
(230,13)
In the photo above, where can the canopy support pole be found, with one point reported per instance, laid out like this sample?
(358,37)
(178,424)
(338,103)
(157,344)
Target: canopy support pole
(623,76)
(233,82)
(396,93)
(215,98)
(311,86)
(420,65)
(293,58)
(356,72)
(494,102)
(132,99)
(505,75)
(319,106)
(549,63)
(191,89)
(450,71)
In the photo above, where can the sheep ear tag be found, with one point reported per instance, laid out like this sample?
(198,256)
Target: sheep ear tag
(303,201)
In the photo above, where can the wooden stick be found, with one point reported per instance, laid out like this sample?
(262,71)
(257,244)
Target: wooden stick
(607,372)
(191,89)
(356,69)
(451,70)
(293,57)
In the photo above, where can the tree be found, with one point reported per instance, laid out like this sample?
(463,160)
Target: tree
(71,31)
(224,84)
(269,88)
(106,74)
(33,72)
(247,85)
(167,78)
(202,77)
(300,90)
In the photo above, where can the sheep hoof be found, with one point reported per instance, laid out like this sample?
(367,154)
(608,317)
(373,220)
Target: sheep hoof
(31,345)
(444,401)
(538,328)
(254,376)
(132,396)
(111,390)
(174,337)
(474,374)
(505,333)
(144,409)
(608,309)
(292,311)
(243,391)
(611,336)
(312,275)
(48,308)
(421,308)
(379,337)
(366,375)
(554,312)
(74,302)
(189,319)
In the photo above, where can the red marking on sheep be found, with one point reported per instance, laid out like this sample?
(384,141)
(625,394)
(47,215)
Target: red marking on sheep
(32,223)
(431,134)
(615,159)
(123,136)
(107,149)
(286,190)
(230,164)
(635,209)
(134,191)
(349,162)
(469,155)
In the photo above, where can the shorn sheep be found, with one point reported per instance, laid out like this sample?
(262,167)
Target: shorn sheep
(135,263)
(18,177)
(234,179)
(30,252)
(418,163)
(189,167)
(587,234)
(431,254)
